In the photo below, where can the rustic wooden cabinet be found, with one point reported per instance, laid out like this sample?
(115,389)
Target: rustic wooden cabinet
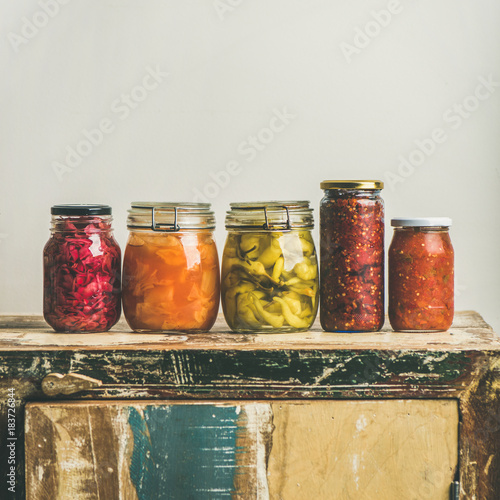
(312,415)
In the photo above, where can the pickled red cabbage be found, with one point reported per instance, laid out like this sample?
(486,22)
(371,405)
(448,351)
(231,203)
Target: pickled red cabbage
(82,277)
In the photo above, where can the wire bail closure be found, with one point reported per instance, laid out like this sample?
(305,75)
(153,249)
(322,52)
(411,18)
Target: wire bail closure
(269,216)
(287,224)
(164,227)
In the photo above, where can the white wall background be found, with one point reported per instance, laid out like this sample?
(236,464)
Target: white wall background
(359,104)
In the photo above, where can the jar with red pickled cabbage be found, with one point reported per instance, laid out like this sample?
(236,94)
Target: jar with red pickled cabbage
(82,270)
(352,256)
(171,279)
(421,275)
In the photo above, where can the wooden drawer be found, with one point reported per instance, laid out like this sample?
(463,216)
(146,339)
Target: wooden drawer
(391,450)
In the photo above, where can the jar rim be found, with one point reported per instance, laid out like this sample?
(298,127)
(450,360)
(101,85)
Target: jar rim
(170,216)
(270,215)
(185,205)
(352,184)
(421,222)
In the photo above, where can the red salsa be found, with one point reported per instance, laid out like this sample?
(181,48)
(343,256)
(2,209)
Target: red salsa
(352,256)
(421,270)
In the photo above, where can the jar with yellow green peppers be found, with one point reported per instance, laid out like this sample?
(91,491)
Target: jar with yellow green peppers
(269,268)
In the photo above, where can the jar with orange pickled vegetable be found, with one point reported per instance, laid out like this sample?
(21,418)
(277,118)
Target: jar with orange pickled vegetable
(421,269)
(171,279)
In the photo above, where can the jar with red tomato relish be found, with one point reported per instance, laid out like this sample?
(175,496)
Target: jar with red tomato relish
(421,271)
(352,256)
(81,270)
(171,279)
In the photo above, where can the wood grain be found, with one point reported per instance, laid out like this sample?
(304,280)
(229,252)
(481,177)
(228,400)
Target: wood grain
(480,434)
(81,440)
(369,450)
(289,450)
(146,451)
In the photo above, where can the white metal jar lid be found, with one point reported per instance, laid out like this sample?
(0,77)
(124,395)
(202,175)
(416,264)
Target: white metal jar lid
(421,222)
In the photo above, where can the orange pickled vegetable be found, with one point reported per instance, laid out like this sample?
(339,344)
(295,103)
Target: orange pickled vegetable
(171,281)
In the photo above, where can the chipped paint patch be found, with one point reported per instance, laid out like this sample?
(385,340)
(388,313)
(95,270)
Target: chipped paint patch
(260,424)
(361,423)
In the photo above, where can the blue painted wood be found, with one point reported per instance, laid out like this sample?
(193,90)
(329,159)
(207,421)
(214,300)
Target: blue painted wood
(184,452)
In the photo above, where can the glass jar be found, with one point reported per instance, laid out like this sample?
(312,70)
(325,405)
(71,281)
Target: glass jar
(82,270)
(269,267)
(352,256)
(171,278)
(421,275)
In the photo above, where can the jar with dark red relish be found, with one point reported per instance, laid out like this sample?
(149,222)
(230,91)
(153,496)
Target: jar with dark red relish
(421,275)
(352,256)
(82,270)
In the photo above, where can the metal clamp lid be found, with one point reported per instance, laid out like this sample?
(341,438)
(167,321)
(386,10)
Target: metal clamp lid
(287,223)
(157,226)
(270,216)
(170,217)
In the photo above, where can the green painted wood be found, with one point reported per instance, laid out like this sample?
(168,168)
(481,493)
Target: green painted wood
(193,372)
(141,451)
(195,447)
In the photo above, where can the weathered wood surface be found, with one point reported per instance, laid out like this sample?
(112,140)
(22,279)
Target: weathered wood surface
(364,450)
(212,373)
(222,365)
(463,363)
(32,333)
(479,462)
(289,450)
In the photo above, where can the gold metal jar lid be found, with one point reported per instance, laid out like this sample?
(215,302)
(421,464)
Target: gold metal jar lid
(170,216)
(270,215)
(352,184)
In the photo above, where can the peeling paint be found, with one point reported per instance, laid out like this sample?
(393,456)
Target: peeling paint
(260,420)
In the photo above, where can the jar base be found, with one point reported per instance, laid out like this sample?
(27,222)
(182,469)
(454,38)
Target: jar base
(168,332)
(268,332)
(420,331)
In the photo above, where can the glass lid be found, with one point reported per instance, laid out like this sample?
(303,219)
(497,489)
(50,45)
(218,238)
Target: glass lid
(270,215)
(170,216)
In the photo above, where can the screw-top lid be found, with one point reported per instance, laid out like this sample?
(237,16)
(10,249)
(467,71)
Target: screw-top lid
(270,215)
(75,210)
(421,222)
(352,184)
(170,216)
